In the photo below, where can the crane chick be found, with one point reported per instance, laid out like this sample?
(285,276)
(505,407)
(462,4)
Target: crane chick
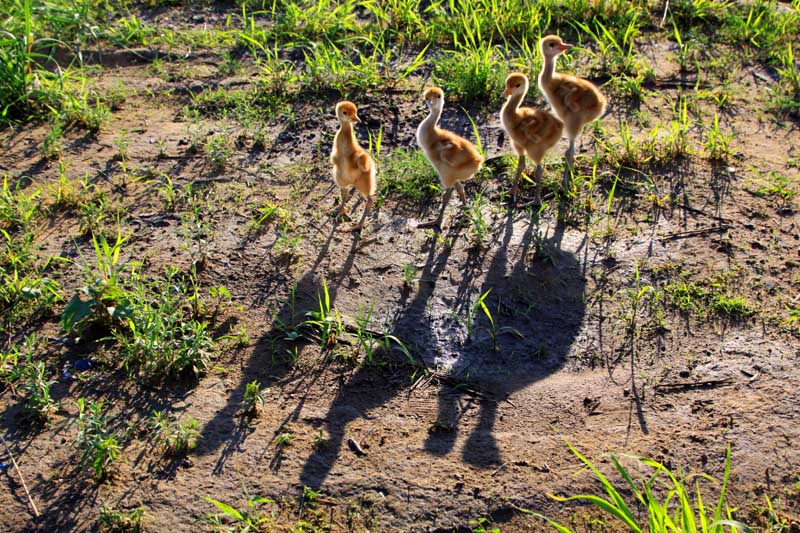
(352,165)
(532,131)
(576,101)
(454,158)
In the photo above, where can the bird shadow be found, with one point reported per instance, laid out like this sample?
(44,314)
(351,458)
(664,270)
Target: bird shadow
(374,385)
(271,361)
(533,293)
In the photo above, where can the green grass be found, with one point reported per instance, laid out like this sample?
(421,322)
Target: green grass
(99,445)
(710,297)
(112,520)
(474,70)
(774,186)
(663,501)
(407,174)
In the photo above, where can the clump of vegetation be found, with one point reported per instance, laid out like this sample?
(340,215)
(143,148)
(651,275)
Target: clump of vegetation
(157,323)
(710,296)
(218,150)
(174,436)
(112,520)
(99,445)
(409,175)
(39,401)
(473,70)
(249,519)
(678,511)
(774,185)
(253,397)
(269,212)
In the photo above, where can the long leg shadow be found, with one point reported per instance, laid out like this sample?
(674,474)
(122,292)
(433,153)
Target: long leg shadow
(361,393)
(537,310)
(268,362)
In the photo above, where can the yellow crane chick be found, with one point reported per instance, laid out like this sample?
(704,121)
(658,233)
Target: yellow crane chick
(352,165)
(576,101)
(454,158)
(532,131)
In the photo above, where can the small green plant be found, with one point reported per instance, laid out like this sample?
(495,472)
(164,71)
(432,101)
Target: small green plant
(284,439)
(39,401)
(64,193)
(787,95)
(184,436)
(677,143)
(679,511)
(310,497)
(175,436)
(253,397)
(197,231)
(268,212)
(326,320)
(479,225)
(320,441)
(409,273)
(107,299)
(122,142)
(218,151)
(774,185)
(479,526)
(169,193)
(718,143)
(52,144)
(493,330)
(93,214)
(247,520)
(99,444)
(794,315)
(112,520)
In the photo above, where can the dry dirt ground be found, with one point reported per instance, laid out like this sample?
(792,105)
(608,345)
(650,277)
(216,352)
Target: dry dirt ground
(483,430)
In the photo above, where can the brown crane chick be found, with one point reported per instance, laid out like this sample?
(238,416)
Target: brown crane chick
(454,158)
(532,131)
(576,101)
(352,165)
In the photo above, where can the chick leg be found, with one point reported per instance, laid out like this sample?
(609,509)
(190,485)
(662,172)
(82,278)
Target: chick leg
(360,225)
(569,157)
(438,222)
(537,198)
(461,193)
(520,170)
(342,210)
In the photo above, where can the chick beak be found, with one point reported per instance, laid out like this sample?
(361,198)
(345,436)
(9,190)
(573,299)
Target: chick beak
(564,46)
(356,119)
(507,92)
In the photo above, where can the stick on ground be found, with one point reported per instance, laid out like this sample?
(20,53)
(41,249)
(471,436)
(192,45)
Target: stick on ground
(24,486)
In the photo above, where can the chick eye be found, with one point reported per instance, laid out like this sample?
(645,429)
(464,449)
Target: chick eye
(518,85)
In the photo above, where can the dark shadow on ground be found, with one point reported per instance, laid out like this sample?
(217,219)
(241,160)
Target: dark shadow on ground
(538,293)
(270,362)
(536,300)
(372,386)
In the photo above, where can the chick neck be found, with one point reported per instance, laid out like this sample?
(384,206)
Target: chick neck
(548,69)
(429,124)
(347,136)
(509,108)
